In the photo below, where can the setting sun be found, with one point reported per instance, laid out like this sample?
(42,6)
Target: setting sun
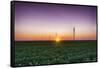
(57,39)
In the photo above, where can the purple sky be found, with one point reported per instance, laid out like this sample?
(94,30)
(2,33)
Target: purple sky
(37,18)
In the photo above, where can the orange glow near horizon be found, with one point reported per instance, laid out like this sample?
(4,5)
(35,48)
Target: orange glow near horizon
(57,39)
(64,36)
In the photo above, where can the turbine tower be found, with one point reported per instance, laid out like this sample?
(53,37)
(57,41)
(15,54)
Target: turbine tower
(73,33)
(56,35)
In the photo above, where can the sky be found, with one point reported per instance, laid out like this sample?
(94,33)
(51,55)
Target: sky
(38,21)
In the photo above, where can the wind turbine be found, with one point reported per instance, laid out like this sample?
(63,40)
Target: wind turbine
(57,39)
(73,33)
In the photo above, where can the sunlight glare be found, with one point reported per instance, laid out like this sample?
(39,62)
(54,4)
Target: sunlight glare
(57,39)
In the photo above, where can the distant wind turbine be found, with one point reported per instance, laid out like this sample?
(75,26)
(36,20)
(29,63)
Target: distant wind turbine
(73,33)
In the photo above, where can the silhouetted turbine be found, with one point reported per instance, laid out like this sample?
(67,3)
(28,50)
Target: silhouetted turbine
(73,33)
